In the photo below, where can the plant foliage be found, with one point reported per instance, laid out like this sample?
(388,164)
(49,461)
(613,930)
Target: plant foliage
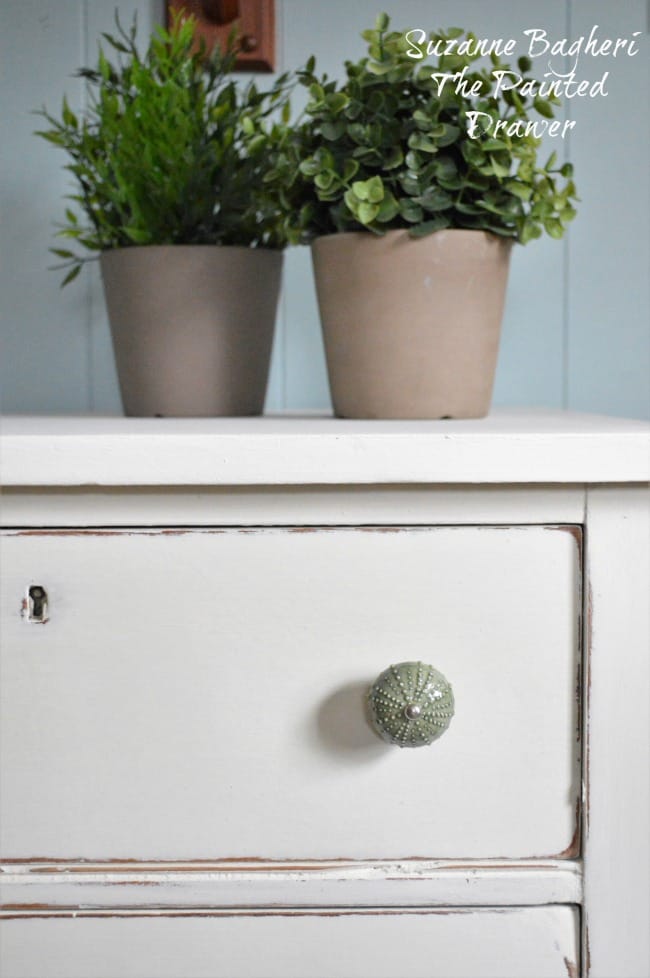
(170,150)
(387,148)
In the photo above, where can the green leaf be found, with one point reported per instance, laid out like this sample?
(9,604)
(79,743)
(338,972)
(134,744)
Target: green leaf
(553,227)
(324,179)
(464,208)
(498,168)
(382,22)
(350,169)
(413,161)
(450,135)
(115,43)
(410,185)
(394,158)
(73,232)
(68,116)
(379,68)
(354,109)
(375,189)
(473,153)
(494,145)
(435,199)
(104,67)
(445,168)
(424,144)
(529,231)
(367,212)
(137,235)
(336,101)
(543,107)
(410,211)
(371,190)
(309,167)
(513,98)
(71,276)
(388,209)
(360,189)
(568,213)
(333,130)
(52,137)
(428,227)
(358,133)
(520,190)
(423,120)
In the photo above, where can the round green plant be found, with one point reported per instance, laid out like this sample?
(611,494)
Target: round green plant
(170,150)
(390,146)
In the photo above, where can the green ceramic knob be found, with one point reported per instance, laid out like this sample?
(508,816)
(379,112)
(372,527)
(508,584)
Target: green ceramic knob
(411,704)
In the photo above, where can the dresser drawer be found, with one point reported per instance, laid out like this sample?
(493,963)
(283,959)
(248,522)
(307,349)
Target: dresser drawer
(199,694)
(522,943)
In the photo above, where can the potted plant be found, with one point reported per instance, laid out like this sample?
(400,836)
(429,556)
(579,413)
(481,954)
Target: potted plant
(412,208)
(170,159)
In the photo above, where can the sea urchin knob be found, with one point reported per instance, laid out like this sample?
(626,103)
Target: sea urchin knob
(411,704)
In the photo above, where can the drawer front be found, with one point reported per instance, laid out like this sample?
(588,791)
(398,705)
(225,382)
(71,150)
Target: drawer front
(524,943)
(200,694)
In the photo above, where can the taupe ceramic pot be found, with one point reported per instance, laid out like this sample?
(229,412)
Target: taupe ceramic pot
(411,325)
(192,327)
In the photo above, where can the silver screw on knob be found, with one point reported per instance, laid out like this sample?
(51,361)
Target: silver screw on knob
(412,711)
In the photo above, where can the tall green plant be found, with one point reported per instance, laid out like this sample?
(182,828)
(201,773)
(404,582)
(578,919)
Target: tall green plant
(169,150)
(390,148)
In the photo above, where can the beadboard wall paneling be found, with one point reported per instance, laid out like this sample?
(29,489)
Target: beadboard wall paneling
(44,331)
(608,297)
(576,330)
(57,356)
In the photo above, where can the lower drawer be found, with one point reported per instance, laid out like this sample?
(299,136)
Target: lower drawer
(540,942)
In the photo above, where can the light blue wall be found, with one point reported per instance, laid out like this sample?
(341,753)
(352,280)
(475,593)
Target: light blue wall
(577,324)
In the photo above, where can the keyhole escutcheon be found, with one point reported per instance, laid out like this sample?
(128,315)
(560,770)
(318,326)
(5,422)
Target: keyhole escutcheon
(37,603)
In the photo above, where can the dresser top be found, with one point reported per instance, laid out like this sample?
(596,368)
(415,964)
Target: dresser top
(510,446)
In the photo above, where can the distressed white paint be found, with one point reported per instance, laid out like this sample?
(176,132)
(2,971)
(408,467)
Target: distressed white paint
(617,846)
(615,837)
(201,694)
(426,883)
(507,447)
(523,943)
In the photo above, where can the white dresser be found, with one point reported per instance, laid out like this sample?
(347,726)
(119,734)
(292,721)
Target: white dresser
(192,613)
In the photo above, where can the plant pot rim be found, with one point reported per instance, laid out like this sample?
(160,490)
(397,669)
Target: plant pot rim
(215,247)
(404,232)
